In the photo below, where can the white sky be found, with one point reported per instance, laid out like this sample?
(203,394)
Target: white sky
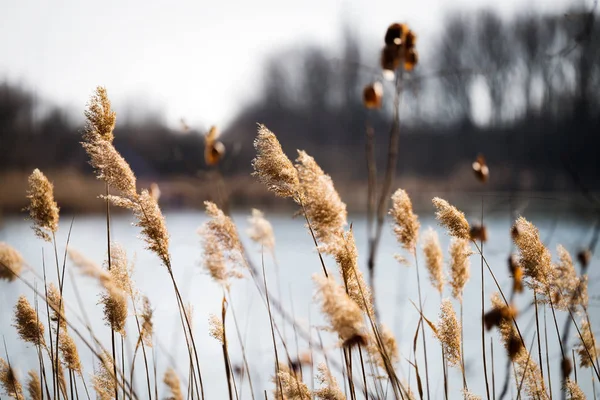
(198,60)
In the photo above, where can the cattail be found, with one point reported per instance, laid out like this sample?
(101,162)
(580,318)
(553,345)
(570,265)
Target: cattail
(574,392)
(448,332)
(29,327)
(478,232)
(172,381)
(467,395)
(534,257)
(407,223)
(396,34)
(330,390)
(147,323)
(460,251)
(434,259)
(100,118)
(115,301)
(322,204)
(584,257)
(104,380)
(341,311)
(42,208)
(391,54)
(372,95)
(68,348)
(9,381)
(273,168)
(288,386)
(34,388)
(587,348)
(346,257)
(216,329)
(480,168)
(57,305)
(11,262)
(260,230)
(452,219)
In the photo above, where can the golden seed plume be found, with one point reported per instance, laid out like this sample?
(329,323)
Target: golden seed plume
(34,388)
(57,305)
(344,315)
(434,259)
(11,262)
(467,395)
(89,268)
(215,328)
(589,343)
(110,166)
(154,229)
(260,230)
(574,392)
(100,119)
(407,224)
(29,327)
(324,208)
(330,390)
(9,381)
(448,332)
(346,256)
(460,251)
(147,323)
(567,289)
(68,348)
(172,381)
(292,388)
(502,317)
(42,208)
(386,347)
(272,167)
(534,257)
(104,379)
(452,219)
(115,301)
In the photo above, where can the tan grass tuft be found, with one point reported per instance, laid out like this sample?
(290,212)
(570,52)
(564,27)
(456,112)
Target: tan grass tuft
(29,327)
(57,305)
(460,251)
(42,208)
(567,289)
(215,328)
(34,388)
(448,332)
(147,323)
(69,352)
(434,259)
(115,300)
(272,167)
(104,380)
(100,118)
(292,388)
(388,347)
(172,381)
(330,390)
(573,390)
(589,343)
(452,219)
(11,262)
(467,395)
(260,230)
(407,223)
(9,381)
(534,257)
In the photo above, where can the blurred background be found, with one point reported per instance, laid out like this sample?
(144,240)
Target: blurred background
(518,83)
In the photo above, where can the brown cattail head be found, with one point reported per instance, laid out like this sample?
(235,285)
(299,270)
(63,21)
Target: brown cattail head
(479,233)
(11,262)
(29,327)
(584,257)
(34,388)
(566,367)
(214,150)
(452,219)
(373,95)
(172,381)
(502,316)
(534,257)
(396,34)
(501,313)
(344,315)
(460,251)
(322,203)
(70,355)
(391,55)
(261,230)
(42,208)
(100,118)
(434,259)
(480,168)
(9,381)
(407,223)
(330,390)
(273,168)
(411,59)
(448,332)
(587,348)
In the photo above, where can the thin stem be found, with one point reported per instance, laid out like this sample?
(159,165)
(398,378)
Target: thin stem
(271,323)
(487,386)
(537,327)
(422,330)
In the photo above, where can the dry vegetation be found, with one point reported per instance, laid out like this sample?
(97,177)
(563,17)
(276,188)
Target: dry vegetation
(366,359)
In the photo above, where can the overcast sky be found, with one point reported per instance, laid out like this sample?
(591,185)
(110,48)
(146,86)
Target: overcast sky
(198,60)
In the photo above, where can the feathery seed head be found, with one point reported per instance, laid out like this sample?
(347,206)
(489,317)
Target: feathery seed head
(9,381)
(460,251)
(469,395)
(172,381)
(503,318)
(434,259)
(386,347)
(567,289)
(534,257)
(110,166)
(272,167)
(448,332)
(104,379)
(57,305)
(68,348)
(452,219)
(574,392)
(29,327)
(115,299)
(260,230)
(330,390)
(100,119)
(11,262)
(42,208)
(34,388)
(147,322)
(215,328)
(288,386)
(587,349)
(407,223)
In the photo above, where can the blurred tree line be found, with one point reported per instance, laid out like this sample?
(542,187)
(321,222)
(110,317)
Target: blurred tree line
(535,79)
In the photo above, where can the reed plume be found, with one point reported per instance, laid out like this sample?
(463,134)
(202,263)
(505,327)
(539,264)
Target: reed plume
(434,259)
(448,332)
(11,262)
(100,119)
(587,348)
(34,388)
(574,392)
(452,219)
(344,314)
(89,268)
(567,289)
(172,381)
(104,381)
(386,347)
(406,227)
(534,257)
(57,305)
(260,230)
(42,208)
(289,387)
(68,348)
(460,251)
(467,395)
(273,168)
(216,329)
(154,228)
(29,328)
(9,381)
(502,316)
(115,300)
(147,331)
(330,390)
(322,203)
